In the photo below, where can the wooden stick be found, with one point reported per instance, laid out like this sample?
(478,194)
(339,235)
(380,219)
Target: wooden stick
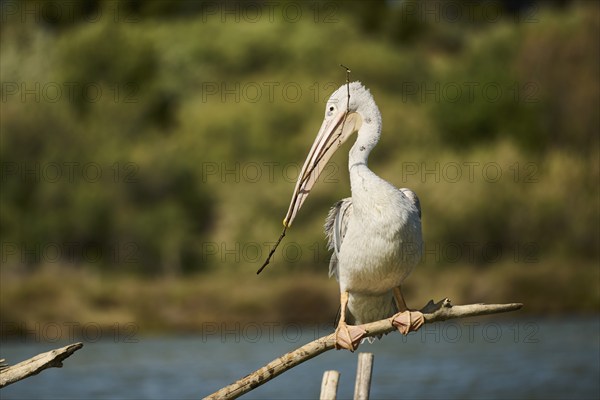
(37,364)
(329,385)
(364,368)
(432,312)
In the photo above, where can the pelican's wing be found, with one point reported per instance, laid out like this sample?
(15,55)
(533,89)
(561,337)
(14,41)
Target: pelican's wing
(412,196)
(335,229)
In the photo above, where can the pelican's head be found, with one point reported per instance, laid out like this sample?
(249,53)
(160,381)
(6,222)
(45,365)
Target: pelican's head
(343,117)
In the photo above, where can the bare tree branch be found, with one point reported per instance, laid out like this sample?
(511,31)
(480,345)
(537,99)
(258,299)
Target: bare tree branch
(432,312)
(37,364)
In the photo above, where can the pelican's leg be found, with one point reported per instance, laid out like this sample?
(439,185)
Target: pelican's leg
(347,336)
(405,320)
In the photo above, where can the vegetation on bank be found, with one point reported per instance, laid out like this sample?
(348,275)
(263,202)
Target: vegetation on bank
(147,163)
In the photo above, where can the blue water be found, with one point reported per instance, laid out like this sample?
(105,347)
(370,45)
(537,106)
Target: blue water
(480,359)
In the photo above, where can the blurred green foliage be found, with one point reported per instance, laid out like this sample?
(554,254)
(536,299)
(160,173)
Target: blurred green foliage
(162,99)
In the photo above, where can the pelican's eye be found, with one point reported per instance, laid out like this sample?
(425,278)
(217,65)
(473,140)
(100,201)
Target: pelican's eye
(330,111)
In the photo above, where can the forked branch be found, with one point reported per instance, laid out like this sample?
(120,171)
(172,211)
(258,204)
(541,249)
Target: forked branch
(432,312)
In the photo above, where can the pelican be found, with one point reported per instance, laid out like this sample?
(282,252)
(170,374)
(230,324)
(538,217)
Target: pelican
(375,235)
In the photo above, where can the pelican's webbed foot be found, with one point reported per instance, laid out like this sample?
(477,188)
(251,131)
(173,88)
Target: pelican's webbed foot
(407,321)
(348,336)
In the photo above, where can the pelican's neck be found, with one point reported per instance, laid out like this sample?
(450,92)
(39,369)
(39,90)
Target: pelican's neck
(364,183)
(366,140)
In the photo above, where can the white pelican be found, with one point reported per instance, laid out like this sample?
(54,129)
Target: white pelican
(375,234)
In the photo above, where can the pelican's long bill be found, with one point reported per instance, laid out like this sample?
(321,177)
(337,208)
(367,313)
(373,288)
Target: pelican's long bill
(333,133)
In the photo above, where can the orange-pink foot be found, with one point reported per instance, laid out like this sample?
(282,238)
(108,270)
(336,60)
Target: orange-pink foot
(348,336)
(408,321)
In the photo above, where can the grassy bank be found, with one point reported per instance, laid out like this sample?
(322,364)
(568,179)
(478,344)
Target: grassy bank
(175,306)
